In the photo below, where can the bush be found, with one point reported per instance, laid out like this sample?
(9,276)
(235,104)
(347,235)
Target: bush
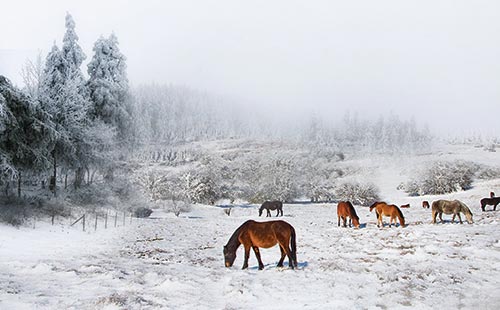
(142,212)
(363,194)
(442,178)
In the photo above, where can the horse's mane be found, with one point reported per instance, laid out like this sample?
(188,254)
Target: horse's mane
(464,208)
(375,203)
(233,242)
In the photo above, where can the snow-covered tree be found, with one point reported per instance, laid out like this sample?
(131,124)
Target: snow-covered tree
(108,85)
(25,134)
(65,98)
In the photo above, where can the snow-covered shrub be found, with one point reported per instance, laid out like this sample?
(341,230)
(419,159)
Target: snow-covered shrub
(358,193)
(177,206)
(443,177)
(142,212)
(487,173)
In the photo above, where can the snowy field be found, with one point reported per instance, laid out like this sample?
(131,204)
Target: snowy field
(166,262)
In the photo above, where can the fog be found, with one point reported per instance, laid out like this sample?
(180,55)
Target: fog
(435,61)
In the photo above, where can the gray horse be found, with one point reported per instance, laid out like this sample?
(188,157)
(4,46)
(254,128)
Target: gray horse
(272,205)
(450,207)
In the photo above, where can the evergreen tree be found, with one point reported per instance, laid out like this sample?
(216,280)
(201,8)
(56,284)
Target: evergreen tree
(65,98)
(25,133)
(108,85)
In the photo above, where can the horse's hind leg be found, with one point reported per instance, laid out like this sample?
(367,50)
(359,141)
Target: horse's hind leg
(338,217)
(283,254)
(257,254)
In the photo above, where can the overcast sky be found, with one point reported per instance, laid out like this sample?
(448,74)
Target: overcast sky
(437,61)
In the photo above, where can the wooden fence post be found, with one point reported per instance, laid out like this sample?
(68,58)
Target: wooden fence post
(95,227)
(106,220)
(116,217)
(84,222)
(124,218)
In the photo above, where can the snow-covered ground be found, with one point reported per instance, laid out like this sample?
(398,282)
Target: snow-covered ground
(167,262)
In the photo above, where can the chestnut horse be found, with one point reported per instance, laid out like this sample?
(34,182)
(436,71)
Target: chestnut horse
(254,234)
(425,204)
(345,209)
(382,208)
(450,207)
(493,201)
(272,205)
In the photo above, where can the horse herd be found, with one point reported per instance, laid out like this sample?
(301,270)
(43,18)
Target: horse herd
(257,235)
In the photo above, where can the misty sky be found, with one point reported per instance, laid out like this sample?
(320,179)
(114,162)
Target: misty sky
(437,61)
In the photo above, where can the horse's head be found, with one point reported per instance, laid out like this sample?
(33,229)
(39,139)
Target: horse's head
(260,211)
(425,204)
(355,221)
(492,194)
(229,257)
(468,216)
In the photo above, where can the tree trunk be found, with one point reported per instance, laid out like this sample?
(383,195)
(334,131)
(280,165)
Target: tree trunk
(19,185)
(53,178)
(79,177)
(66,181)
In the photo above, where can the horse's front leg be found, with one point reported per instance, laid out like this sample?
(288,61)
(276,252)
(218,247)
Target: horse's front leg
(344,219)
(247,256)
(434,214)
(338,217)
(459,218)
(268,213)
(257,254)
(441,217)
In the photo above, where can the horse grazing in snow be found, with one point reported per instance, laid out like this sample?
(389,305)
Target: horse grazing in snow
(254,234)
(425,204)
(450,207)
(405,206)
(345,209)
(493,201)
(382,208)
(271,205)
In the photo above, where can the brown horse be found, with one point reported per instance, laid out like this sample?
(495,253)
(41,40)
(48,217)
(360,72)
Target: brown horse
(271,205)
(493,201)
(345,209)
(254,234)
(405,206)
(450,207)
(382,208)
(425,204)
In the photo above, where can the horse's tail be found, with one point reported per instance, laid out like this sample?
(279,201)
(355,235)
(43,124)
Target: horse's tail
(293,246)
(401,217)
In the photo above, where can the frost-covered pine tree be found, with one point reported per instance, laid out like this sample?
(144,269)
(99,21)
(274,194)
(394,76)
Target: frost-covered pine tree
(65,97)
(108,84)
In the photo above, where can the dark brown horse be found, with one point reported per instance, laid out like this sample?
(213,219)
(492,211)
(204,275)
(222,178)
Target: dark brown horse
(405,206)
(493,201)
(450,207)
(425,204)
(272,205)
(382,208)
(345,209)
(254,234)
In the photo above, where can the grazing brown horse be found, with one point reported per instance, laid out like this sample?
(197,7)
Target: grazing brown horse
(271,205)
(425,204)
(254,234)
(493,201)
(450,207)
(345,209)
(405,206)
(382,208)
